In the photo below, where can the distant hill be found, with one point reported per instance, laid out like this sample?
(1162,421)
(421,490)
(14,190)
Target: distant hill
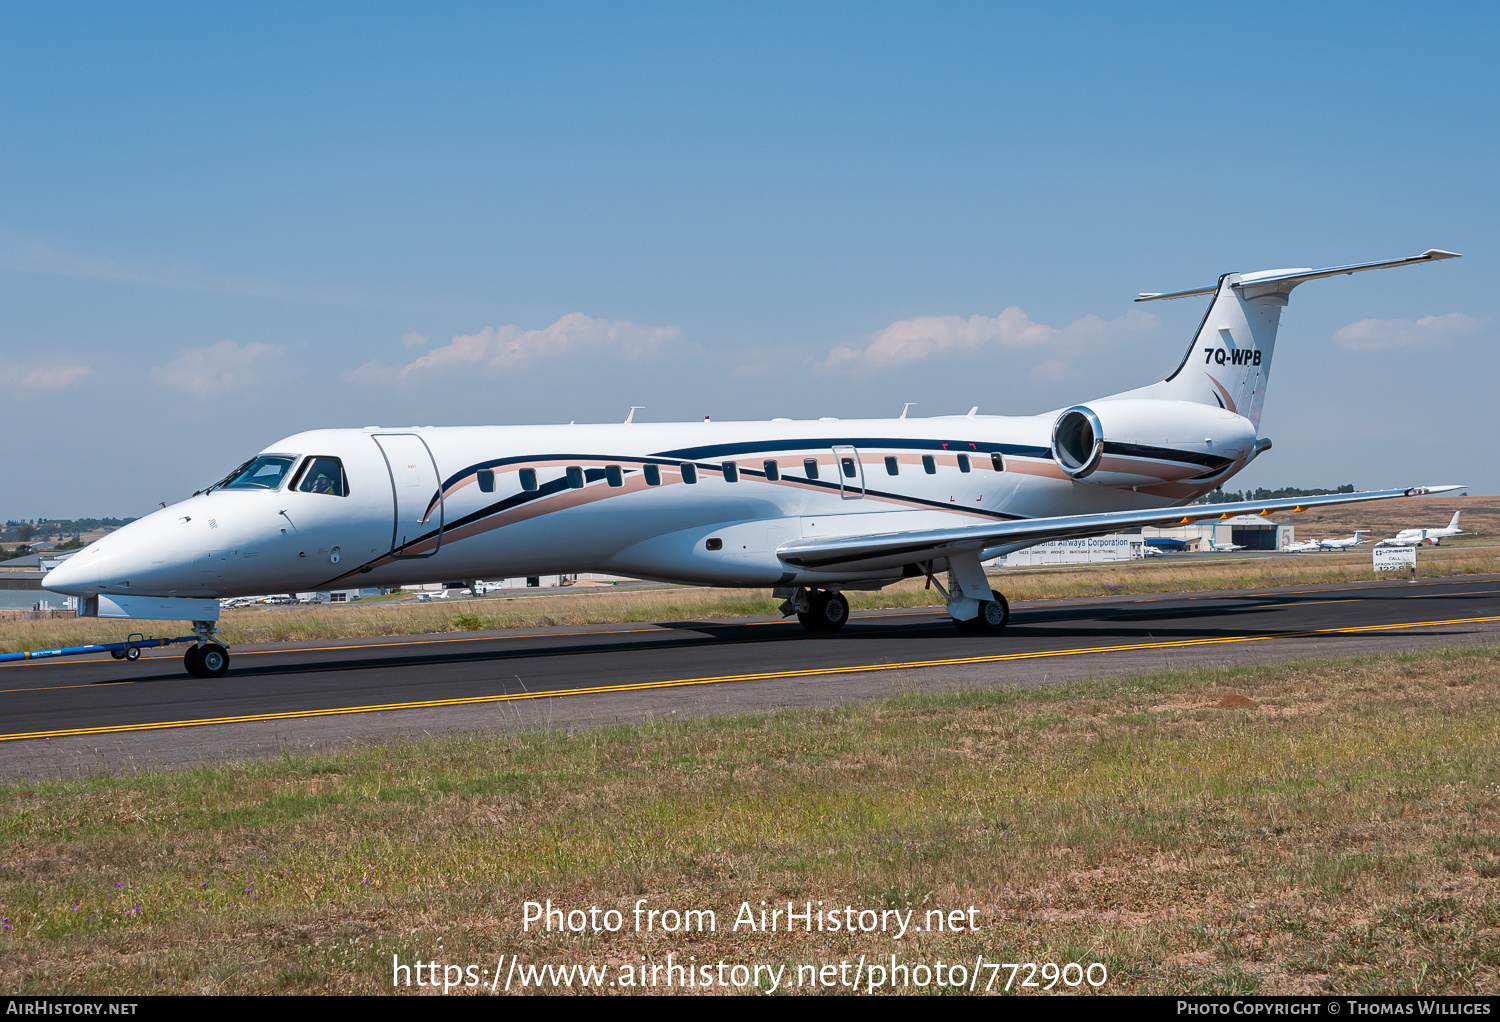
(1235,496)
(43,530)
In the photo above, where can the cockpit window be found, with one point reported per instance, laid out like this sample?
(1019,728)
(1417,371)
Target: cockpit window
(263,473)
(323,475)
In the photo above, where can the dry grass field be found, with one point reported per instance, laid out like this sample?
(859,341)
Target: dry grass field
(300,623)
(1481,515)
(1308,828)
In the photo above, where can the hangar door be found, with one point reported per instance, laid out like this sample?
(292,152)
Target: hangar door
(416,493)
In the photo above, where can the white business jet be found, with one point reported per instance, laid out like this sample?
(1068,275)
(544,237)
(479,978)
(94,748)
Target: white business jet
(1224,548)
(1302,548)
(810,509)
(1348,543)
(1416,537)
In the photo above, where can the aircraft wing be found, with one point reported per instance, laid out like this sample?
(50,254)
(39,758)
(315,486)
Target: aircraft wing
(897,549)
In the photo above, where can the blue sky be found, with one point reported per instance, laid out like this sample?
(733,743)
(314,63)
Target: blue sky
(219,226)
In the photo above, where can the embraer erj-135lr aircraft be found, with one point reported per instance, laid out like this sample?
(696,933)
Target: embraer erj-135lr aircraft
(810,509)
(1416,537)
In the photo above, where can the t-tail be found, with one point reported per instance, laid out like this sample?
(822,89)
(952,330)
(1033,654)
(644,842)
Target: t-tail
(1229,360)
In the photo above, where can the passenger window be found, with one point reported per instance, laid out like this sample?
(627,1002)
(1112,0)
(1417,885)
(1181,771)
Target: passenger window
(528,479)
(613,475)
(929,465)
(575,477)
(715,544)
(323,475)
(963,463)
(652,474)
(810,466)
(892,466)
(689,472)
(849,470)
(486,479)
(773,471)
(997,461)
(731,472)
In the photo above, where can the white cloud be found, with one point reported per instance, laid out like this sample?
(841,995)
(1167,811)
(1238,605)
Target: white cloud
(911,340)
(499,349)
(415,340)
(46,377)
(218,368)
(1053,371)
(1385,334)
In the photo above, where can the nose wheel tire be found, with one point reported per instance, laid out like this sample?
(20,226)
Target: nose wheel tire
(207,661)
(993,616)
(828,613)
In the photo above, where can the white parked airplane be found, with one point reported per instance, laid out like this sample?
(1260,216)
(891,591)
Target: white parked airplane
(1343,544)
(810,509)
(1224,548)
(1416,537)
(1302,548)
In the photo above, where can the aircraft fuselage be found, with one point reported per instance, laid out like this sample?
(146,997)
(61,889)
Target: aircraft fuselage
(701,503)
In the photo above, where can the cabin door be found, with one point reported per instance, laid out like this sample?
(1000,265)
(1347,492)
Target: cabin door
(416,492)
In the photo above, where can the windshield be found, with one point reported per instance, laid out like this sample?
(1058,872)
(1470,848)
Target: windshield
(263,473)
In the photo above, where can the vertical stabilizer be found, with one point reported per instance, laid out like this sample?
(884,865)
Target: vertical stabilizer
(1230,358)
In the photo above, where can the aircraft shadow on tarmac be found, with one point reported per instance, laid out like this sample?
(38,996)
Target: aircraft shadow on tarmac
(1110,626)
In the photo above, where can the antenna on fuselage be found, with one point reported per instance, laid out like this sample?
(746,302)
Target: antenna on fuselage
(633,409)
(905,407)
(973,411)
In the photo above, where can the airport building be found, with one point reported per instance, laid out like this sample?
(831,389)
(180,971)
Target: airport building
(1120,546)
(1251,532)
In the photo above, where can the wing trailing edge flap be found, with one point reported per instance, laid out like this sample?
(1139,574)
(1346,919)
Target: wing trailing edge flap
(897,549)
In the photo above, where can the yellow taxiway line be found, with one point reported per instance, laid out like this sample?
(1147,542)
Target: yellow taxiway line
(640,686)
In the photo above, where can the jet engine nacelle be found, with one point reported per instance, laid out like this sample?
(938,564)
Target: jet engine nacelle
(1143,442)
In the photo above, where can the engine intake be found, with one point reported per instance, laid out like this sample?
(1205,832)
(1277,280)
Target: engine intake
(1077,441)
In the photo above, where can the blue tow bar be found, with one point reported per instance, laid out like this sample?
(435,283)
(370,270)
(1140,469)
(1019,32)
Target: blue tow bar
(127,650)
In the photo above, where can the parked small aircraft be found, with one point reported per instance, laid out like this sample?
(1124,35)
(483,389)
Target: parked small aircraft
(1224,548)
(1302,548)
(1344,544)
(1416,537)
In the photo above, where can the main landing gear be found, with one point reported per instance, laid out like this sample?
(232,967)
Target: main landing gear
(818,609)
(993,616)
(208,659)
(972,605)
(975,608)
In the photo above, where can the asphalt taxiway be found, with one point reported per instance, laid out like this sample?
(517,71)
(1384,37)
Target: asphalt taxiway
(60,716)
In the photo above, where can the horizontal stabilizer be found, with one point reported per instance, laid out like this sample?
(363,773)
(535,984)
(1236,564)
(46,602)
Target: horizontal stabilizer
(1288,279)
(898,549)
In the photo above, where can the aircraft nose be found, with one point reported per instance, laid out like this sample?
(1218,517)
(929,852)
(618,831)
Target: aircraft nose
(83,574)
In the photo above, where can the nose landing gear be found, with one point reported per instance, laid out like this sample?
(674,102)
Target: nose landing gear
(207,659)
